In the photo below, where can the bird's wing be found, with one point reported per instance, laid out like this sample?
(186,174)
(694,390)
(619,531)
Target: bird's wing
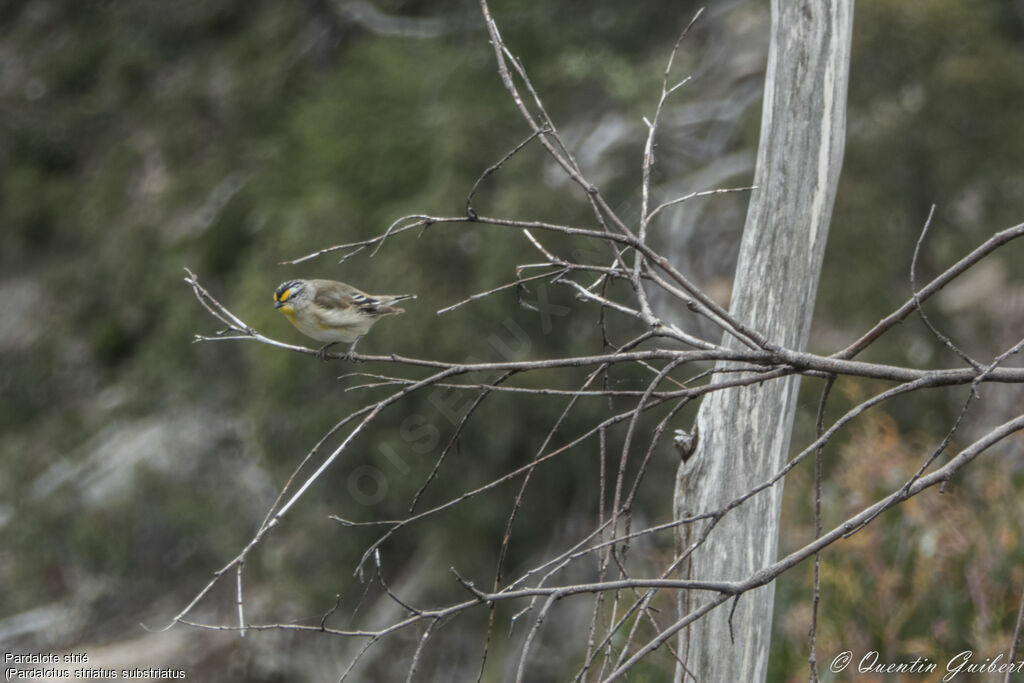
(341,297)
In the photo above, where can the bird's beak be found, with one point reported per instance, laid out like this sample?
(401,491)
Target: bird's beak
(278,304)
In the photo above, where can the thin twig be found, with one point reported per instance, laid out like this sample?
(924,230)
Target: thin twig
(1011,655)
(947,276)
(819,429)
(470,211)
(917,301)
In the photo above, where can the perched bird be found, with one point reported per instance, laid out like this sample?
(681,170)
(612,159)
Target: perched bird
(331,311)
(686,442)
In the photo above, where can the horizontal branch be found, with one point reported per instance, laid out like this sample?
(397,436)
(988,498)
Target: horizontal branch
(483,598)
(800,362)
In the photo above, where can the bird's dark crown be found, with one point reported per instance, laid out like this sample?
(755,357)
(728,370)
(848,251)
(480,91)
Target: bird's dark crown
(288,289)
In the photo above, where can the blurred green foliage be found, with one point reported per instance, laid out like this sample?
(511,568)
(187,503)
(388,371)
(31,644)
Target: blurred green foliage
(139,138)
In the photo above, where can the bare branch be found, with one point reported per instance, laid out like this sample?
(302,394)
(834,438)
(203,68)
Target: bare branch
(1011,656)
(917,302)
(695,195)
(947,276)
(819,428)
(470,211)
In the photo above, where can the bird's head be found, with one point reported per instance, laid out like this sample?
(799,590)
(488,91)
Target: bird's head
(289,293)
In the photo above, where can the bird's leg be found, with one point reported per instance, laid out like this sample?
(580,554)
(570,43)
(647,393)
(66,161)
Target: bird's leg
(351,350)
(322,353)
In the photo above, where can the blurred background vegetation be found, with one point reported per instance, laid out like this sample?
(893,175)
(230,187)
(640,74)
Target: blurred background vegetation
(138,138)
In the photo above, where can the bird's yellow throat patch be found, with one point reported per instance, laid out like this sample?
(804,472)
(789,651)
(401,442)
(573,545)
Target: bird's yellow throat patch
(289,313)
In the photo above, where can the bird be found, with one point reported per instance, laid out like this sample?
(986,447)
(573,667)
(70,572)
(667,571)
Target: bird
(331,311)
(686,442)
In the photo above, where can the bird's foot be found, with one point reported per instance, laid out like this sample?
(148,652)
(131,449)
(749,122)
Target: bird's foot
(350,356)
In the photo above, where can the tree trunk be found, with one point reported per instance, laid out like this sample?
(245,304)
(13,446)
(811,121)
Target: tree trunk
(744,433)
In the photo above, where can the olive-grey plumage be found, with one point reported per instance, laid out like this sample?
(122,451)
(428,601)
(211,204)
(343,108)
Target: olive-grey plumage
(332,311)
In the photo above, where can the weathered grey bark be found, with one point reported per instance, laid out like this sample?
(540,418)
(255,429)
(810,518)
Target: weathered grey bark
(744,433)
